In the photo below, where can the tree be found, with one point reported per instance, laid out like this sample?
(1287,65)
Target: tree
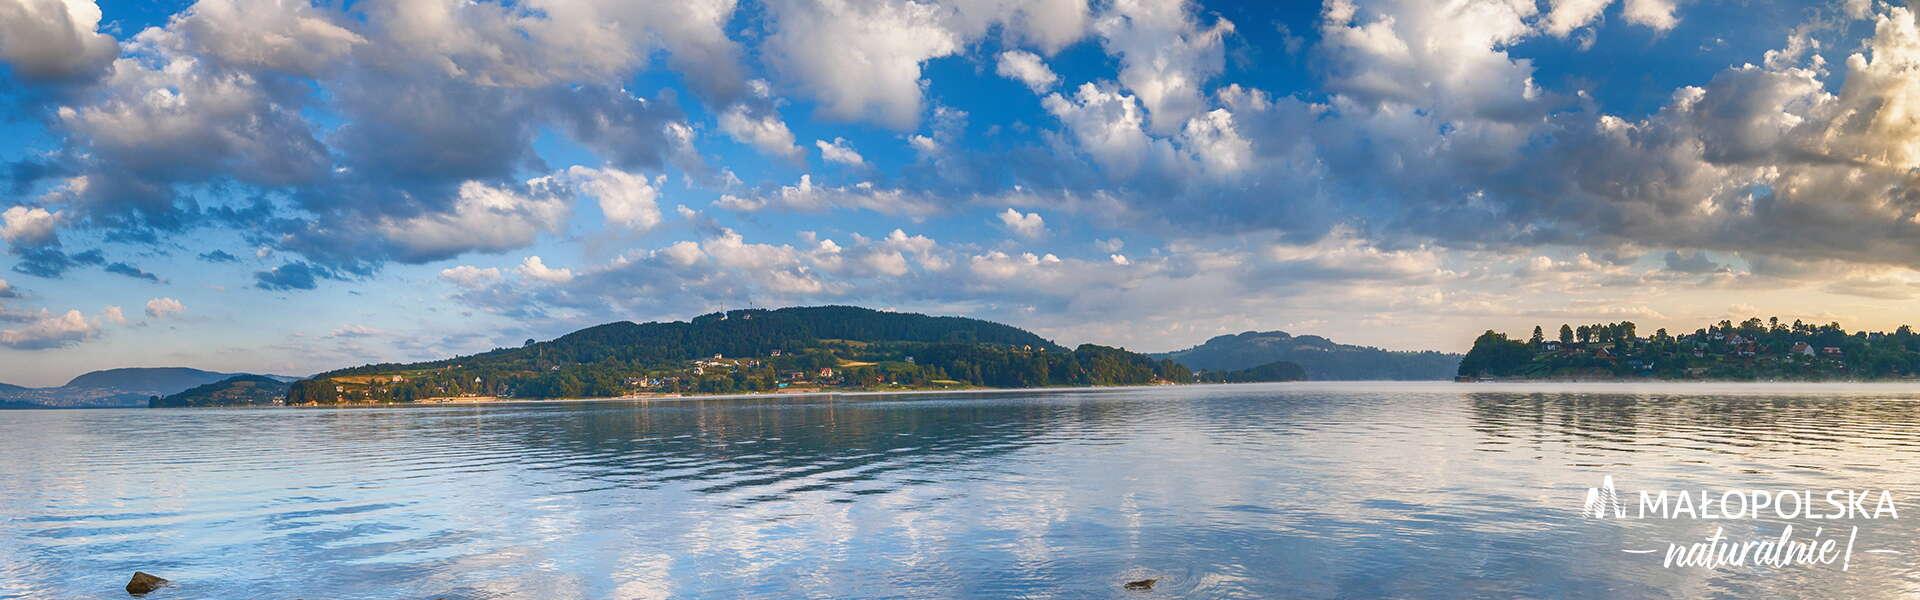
(1585,333)
(1566,334)
(1494,354)
(1538,336)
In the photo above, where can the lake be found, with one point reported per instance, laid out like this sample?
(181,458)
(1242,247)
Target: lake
(1351,490)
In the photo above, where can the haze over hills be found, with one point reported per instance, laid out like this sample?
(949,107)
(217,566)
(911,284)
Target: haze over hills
(112,388)
(1323,359)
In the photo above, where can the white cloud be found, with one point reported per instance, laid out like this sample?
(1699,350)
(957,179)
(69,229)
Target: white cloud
(23,226)
(1026,67)
(1028,225)
(1109,126)
(485,218)
(838,151)
(805,196)
(1119,259)
(53,39)
(471,277)
(762,130)
(160,308)
(626,199)
(280,35)
(537,270)
(1165,56)
(48,330)
(1568,15)
(1657,14)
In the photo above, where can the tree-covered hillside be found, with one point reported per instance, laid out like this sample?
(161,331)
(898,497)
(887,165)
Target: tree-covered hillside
(239,390)
(1750,350)
(828,347)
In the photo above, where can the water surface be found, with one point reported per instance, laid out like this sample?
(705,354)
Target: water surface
(1256,491)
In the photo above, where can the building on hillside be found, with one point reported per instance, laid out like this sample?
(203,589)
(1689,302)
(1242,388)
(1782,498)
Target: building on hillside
(1803,349)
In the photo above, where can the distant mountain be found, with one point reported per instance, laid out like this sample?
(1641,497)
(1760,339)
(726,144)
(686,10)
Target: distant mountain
(112,388)
(239,390)
(1323,359)
(820,347)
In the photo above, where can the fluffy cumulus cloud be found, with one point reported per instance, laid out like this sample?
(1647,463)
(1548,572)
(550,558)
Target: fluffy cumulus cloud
(1028,225)
(161,308)
(54,39)
(48,330)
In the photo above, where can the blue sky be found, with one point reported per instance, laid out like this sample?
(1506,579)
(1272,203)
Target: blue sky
(291,187)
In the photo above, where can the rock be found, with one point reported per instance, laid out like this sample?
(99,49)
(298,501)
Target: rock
(1142,585)
(143,583)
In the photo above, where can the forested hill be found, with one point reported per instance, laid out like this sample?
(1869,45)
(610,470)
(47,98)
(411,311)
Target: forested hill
(1745,351)
(1322,358)
(826,347)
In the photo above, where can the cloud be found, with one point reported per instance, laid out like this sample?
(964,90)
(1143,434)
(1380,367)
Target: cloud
(535,269)
(292,275)
(120,268)
(805,196)
(54,39)
(471,277)
(25,226)
(1166,57)
(1656,14)
(218,256)
(1026,67)
(863,60)
(47,330)
(761,129)
(161,308)
(489,218)
(626,199)
(1029,225)
(838,151)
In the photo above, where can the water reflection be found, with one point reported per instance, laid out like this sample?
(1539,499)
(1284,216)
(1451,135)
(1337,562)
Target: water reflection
(1390,490)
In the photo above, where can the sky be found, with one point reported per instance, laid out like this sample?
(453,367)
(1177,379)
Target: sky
(290,187)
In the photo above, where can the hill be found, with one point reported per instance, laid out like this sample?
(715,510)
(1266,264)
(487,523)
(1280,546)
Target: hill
(1323,359)
(110,388)
(824,347)
(1747,351)
(239,390)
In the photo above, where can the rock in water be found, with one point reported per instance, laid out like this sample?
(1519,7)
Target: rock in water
(1142,585)
(143,583)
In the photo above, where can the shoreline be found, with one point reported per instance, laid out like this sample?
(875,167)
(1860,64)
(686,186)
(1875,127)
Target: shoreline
(496,401)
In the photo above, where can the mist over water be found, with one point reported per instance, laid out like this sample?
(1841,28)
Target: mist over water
(1251,491)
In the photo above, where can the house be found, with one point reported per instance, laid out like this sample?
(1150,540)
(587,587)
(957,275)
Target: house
(826,372)
(699,370)
(1831,351)
(1803,349)
(1550,345)
(776,352)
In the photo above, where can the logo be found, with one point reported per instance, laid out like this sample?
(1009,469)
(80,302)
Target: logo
(1834,535)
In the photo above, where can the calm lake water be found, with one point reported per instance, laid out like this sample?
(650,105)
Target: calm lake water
(1256,491)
